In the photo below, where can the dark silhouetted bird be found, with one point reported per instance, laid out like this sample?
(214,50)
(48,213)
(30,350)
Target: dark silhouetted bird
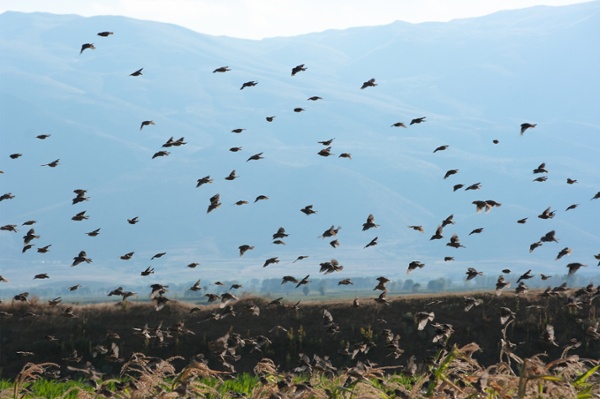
(313,98)
(525,276)
(345,155)
(308,210)
(52,164)
(133,220)
(86,46)
(80,216)
(15,156)
(248,84)
(476,231)
(255,157)
(146,123)
(573,267)
(372,243)
(563,252)
(369,223)
(441,148)
(298,109)
(136,73)
(571,207)
(450,173)
(525,126)
(261,198)
(414,265)
(472,273)
(93,233)
(522,221)
(204,180)
(105,34)
(161,154)
(571,181)
(549,237)
(214,203)
(271,261)
(158,255)
(541,168)
(270,118)
(457,187)
(244,248)
(455,242)
(475,186)
(369,83)
(42,136)
(231,176)
(418,120)
(547,214)
(238,130)
(80,258)
(222,69)
(298,68)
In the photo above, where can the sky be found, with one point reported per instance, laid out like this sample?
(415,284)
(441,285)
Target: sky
(258,19)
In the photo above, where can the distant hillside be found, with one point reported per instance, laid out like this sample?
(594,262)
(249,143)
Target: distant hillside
(475,81)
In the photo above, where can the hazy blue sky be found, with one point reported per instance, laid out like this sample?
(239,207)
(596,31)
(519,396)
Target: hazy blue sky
(256,19)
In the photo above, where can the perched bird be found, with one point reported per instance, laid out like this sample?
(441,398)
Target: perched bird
(222,69)
(86,46)
(136,73)
(248,84)
(369,83)
(525,126)
(146,123)
(418,120)
(298,68)
(105,34)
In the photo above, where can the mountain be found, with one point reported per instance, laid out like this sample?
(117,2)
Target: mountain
(475,80)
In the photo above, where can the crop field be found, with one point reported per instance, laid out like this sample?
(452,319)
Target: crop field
(505,346)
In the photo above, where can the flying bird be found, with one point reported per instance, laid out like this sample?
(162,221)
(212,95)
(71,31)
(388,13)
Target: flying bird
(204,180)
(441,148)
(86,46)
(146,123)
(105,34)
(255,157)
(525,126)
(244,248)
(450,173)
(369,83)
(418,120)
(136,73)
(52,164)
(222,69)
(313,98)
(248,84)
(308,210)
(298,68)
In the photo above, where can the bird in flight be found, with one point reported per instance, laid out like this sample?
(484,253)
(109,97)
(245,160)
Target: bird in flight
(298,68)
(105,34)
(525,126)
(418,120)
(249,84)
(146,123)
(369,83)
(222,69)
(86,46)
(136,73)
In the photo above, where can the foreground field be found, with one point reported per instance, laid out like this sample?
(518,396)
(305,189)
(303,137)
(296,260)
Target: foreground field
(507,346)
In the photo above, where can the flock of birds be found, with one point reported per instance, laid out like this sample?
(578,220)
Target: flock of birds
(331,233)
(226,347)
